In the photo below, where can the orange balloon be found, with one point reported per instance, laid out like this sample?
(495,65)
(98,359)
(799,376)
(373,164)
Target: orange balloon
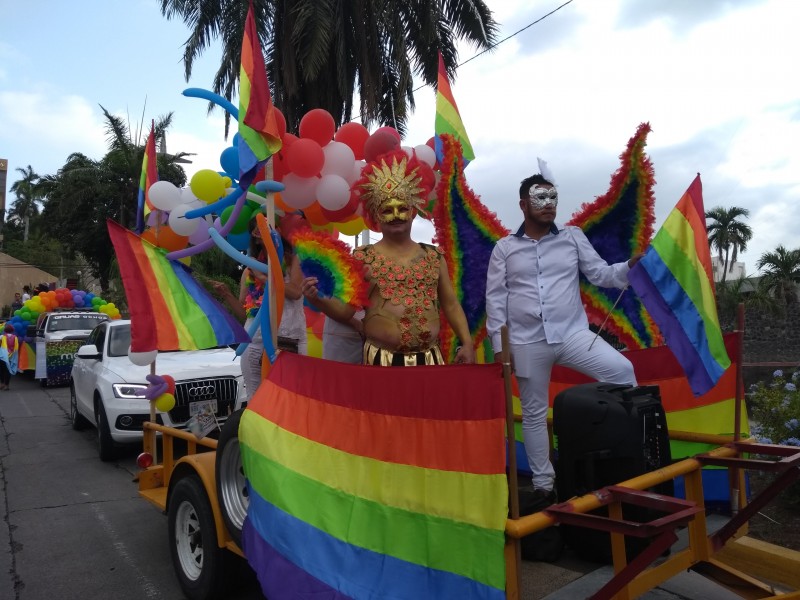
(314,214)
(281,205)
(166,238)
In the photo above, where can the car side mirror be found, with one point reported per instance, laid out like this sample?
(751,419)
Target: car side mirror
(89,352)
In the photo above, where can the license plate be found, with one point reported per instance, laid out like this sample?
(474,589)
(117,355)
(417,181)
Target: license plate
(204,406)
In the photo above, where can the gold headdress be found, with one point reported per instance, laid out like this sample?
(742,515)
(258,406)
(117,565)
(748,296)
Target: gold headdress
(391,177)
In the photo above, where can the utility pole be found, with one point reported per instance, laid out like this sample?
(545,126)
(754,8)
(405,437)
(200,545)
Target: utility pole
(3,179)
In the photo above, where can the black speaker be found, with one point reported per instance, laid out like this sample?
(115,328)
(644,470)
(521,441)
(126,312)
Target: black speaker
(605,434)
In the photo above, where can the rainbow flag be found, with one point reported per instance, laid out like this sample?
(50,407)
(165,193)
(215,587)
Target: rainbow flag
(27,357)
(448,119)
(169,309)
(619,224)
(259,136)
(398,494)
(464,228)
(675,283)
(149,177)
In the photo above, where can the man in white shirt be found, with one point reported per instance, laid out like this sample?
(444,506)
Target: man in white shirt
(533,287)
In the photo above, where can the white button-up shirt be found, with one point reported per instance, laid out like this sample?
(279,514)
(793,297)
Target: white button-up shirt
(533,285)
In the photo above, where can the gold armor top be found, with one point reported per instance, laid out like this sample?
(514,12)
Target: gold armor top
(404,298)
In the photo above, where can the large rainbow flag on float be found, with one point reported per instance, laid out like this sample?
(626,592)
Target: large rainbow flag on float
(448,119)
(258,128)
(342,505)
(675,282)
(169,309)
(148,177)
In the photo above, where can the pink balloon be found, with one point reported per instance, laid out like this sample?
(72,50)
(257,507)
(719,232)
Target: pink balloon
(379,143)
(305,158)
(300,192)
(339,159)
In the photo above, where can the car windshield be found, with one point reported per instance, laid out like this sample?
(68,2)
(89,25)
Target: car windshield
(86,321)
(120,340)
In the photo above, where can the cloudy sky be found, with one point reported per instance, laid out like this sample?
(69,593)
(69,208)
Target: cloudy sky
(716,79)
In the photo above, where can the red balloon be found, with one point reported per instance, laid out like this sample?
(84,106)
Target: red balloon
(344,213)
(281,120)
(305,158)
(317,125)
(391,130)
(379,143)
(279,166)
(354,135)
(431,143)
(170,381)
(288,139)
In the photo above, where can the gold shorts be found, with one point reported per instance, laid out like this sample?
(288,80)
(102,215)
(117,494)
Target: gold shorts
(373,355)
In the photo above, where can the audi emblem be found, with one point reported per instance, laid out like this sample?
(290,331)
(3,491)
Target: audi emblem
(201,390)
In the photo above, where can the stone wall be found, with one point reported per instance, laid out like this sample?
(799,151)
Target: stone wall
(771,339)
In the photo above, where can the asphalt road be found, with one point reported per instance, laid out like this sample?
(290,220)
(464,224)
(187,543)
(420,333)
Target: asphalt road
(74,527)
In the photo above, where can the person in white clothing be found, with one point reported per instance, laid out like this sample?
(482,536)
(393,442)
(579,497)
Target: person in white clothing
(532,286)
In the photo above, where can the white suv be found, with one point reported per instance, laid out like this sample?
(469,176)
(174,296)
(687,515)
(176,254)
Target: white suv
(105,386)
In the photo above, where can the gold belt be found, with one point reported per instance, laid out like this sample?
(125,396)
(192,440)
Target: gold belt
(373,355)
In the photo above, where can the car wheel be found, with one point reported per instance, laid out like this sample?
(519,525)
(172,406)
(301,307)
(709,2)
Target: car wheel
(198,561)
(76,419)
(105,444)
(231,485)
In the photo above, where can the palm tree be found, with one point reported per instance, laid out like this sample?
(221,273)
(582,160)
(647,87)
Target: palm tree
(727,234)
(781,272)
(320,52)
(26,206)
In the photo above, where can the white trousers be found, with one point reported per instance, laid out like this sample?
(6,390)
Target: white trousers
(532,366)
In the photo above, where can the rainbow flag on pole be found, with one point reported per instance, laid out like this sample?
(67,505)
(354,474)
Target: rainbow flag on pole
(169,309)
(448,119)
(259,136)
(675,283)
(397,493)
(149,177)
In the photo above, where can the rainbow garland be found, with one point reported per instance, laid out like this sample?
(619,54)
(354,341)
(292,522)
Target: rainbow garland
(331,262)
(619,225)
(464,226)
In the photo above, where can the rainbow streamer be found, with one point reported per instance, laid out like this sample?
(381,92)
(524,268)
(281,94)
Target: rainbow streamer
(148,177)
(331,262)
(619,224)
(448,119)
(27,357)
(464,227)
(675,283)
(169,309)
(259,136)
(343,506)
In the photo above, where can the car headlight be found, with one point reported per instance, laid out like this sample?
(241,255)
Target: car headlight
(129,390)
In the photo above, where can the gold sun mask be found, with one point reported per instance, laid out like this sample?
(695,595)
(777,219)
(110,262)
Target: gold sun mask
(392,192)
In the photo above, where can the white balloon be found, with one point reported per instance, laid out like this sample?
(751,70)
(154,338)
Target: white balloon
(426,154)
(179,223)
(188,197)
(339,159)
(408,150)
(355,175)
(300,192)
(142,359)
(164,195)
(333,192)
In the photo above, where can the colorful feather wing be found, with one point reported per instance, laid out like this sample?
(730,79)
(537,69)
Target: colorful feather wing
(619,225)
(464,228)
(331,262)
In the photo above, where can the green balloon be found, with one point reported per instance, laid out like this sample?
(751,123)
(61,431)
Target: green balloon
(240,226)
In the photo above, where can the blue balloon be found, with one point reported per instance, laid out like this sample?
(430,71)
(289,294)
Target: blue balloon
(212,97)
(229,160)
(227,248)
(236,138)
(269,186)
(240,241)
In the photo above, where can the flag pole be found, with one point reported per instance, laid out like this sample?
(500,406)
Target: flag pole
(607,316)
(736,475)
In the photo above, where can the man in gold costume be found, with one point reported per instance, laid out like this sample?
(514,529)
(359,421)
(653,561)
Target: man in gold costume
(409,283)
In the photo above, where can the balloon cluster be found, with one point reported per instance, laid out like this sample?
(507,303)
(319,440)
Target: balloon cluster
(315,171)
(43,302)
(161,391)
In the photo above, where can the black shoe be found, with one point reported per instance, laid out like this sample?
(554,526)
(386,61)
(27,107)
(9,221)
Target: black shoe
(532,500)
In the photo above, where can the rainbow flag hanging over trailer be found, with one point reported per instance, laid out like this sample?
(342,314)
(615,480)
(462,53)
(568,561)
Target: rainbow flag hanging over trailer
(342,505)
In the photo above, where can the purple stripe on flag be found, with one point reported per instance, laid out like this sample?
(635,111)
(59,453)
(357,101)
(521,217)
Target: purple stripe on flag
(673,332)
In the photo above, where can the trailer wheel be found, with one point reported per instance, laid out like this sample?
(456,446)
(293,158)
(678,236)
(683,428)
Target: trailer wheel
(231,485)
(196,557)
